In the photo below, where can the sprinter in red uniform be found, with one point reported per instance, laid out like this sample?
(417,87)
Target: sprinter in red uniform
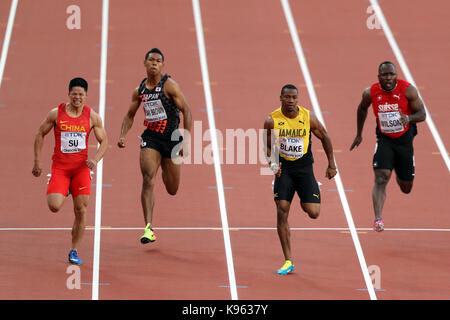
(72,123)
(397,107)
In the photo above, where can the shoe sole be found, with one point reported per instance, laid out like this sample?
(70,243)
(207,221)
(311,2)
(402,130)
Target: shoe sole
(75,263)
(146,240)
(378,228)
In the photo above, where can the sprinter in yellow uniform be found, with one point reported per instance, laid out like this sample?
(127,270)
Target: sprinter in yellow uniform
(289,136)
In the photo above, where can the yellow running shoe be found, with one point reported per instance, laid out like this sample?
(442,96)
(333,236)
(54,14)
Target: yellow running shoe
(148,236)
(286,268)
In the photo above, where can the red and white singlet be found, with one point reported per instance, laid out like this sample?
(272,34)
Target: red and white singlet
(71,135)
(386,107)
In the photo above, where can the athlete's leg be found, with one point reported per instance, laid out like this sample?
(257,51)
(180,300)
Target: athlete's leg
(405,186)
(57,188)
(312,209)
(171,173)
(55,201)
(150,160)
(405,167)
(308,191)
(80,204)
(382,177)
(284,232)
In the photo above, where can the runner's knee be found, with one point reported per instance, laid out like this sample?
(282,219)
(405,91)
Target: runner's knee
(381,179)
(282,214)
(406,190)
(54,207)
(148,179)
(313,213)
(172,190)
(405,187)
(312,210)
(171,184)
(79,210)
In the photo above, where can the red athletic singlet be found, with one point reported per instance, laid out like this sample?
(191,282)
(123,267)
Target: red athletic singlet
(72,135)
(386,107)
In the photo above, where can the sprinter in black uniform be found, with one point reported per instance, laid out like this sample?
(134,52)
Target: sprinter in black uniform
(289,130)
(161,141)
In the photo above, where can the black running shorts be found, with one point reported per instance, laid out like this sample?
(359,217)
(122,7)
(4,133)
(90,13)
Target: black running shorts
(167,148)
(398,156)
(296,179)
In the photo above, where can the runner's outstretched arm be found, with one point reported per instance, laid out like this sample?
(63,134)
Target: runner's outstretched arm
(269,145)
(174,91)
(128,119)
(319,131)
(417,107)
(44,129)
(100,134)
(361,116)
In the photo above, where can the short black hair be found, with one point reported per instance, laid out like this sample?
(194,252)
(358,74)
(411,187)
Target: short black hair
(78,82)
(386,62)
(154,50)
(288,86)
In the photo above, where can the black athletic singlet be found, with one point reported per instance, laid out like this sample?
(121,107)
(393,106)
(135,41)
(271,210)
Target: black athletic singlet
(162,116)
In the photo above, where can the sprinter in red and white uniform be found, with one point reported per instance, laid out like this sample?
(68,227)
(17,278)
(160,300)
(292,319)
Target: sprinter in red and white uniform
(72,123)
(397,107)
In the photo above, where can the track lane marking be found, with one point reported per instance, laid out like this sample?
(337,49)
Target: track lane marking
(99,184)
(6,41)
(215,147)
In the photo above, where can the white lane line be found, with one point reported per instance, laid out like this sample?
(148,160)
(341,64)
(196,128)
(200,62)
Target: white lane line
(219,228)
(398,54)
(98,193)
(215,147)
(309,84)
(9,28)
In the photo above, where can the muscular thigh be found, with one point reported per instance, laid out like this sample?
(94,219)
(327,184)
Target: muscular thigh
(166,148)
(384,156)
(404,162)
(306,185)
(81,201)
(283,188)
(171,170)
(80,183)
(59,181)
(150,160)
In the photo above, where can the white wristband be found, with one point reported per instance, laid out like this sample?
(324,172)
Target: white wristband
(274,167)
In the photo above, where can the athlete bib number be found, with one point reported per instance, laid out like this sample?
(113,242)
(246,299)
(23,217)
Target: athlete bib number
(291,147)
(390,122)
(154,111)
(72,142)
